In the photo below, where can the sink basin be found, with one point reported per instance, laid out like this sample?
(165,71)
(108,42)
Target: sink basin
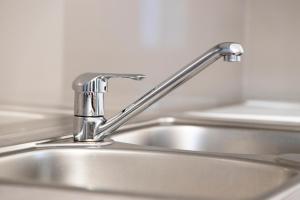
(176,134)
(141,173)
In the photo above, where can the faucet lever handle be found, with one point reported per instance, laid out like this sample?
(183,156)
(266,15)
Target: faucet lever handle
(89,92)
(97,82)
(112,75)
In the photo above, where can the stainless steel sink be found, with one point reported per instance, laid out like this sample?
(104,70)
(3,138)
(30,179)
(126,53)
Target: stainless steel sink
(188,135)
(143,173)
(128,168)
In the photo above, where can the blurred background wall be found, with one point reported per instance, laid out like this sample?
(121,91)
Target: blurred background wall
(31,51)
(271,69)
(46,44)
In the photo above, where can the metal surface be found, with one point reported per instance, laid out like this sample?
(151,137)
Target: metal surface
(274,114)
(143,173)
(22,124)
(190,135)
(12,117)
(60,168)
(15,114)
(89,94)
(89,102)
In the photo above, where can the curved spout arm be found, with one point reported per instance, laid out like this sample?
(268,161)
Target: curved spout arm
(231,53)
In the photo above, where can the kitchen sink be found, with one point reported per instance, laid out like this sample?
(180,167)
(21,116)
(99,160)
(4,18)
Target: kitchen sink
(165,158)
(188,135)
(143,173)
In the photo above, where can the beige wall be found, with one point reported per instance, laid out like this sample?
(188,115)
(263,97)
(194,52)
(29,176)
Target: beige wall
(156,38)
(46,44)
(272,66)
(31,51)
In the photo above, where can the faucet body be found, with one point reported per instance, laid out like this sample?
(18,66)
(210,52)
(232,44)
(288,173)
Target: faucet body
(89,121)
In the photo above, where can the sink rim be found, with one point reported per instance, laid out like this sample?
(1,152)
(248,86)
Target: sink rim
(176,119)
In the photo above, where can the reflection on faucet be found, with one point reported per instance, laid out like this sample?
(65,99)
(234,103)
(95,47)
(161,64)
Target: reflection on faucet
(89,121)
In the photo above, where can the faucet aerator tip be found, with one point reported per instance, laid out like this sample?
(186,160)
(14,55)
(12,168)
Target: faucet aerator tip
(232,58)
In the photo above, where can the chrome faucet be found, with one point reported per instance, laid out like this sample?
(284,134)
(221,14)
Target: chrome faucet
(90,123)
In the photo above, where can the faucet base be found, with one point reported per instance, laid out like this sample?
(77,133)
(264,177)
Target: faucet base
(84,128)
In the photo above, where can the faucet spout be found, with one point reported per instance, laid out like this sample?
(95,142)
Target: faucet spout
(230,51)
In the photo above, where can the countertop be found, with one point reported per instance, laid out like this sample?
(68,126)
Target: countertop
(254,112)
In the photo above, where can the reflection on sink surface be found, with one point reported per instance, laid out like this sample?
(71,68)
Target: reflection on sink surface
(145,173)
(12,114)
(213,138)
(9,117)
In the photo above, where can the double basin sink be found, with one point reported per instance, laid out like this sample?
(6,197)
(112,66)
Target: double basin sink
(166,158)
